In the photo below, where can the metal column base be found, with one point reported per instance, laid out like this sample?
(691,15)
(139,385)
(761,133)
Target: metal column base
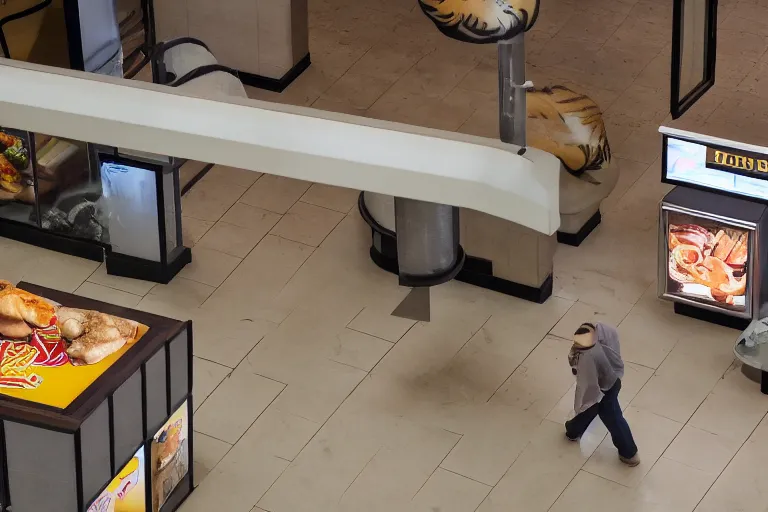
(476,271)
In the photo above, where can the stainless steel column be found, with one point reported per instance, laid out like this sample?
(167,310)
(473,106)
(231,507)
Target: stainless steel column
(427,242)
(512,87)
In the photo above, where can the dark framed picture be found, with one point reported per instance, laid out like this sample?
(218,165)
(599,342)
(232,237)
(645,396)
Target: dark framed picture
(694,48)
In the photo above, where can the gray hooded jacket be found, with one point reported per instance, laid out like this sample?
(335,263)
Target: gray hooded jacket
(597,368)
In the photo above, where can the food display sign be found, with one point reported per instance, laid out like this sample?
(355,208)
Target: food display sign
(50,354)
(127,491)
(707,261)
(732,171)
(169,456)
(15,165)
(737,161)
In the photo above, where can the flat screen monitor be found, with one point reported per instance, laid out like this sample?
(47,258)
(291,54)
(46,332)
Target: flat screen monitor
(715,168)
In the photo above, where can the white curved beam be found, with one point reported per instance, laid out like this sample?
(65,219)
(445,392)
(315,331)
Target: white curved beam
(307,144)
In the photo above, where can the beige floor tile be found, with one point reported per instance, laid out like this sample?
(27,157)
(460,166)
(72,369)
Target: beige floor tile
(382,325)
(516,330)
(702,450)
(193,229)
(743,485)
(307,224)
(733,408)
(584,25)
(672,487)
(652,434)
(318,400)
(686,376)
(323,471)
(358,349)
(189,170)
(275,193)
(361,91)
(108,295)
(488,447)
(541,380)
(674,397)
(132,286)
(209,200)
(582,312)
(208,453)
(648,333)
(251,218)
(231,176)
(630,172)
(230,239)
(334,198)
(386,62)
(420,110)
(594,493)
(178,299)
(235,404)
(449,492)
(261,276)
(236,483)
(541,472)
(399,469)
(226,338)
(209,266)
(646,104)
(207,377)
(57,271)
(278,433)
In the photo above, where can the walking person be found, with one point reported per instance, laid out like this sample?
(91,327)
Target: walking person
(595,360)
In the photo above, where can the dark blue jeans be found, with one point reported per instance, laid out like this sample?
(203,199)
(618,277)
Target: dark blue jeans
(609,411)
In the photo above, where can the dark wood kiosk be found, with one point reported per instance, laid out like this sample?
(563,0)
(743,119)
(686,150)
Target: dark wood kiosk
(126,434)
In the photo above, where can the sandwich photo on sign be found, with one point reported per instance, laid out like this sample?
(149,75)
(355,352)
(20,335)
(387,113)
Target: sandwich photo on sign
(170,457)
(708,261)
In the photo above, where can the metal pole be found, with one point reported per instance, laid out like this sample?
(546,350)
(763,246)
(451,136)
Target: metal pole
(512,87)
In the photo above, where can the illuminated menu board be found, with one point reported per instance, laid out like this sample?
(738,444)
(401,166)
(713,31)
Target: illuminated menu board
(733,171)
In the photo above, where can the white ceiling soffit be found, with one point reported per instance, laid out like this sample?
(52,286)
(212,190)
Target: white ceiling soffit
(307,144)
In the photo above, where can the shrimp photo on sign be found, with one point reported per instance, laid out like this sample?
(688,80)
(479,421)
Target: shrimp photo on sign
(708,261)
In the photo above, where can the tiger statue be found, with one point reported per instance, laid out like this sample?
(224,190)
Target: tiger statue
(570,126)
(481,21)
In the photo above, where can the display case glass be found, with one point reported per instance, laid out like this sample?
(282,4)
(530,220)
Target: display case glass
(69,189)
(99,36)
(35,31)
(17,182)
(707,260)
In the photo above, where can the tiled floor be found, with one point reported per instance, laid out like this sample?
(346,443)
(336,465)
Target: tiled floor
(310,397)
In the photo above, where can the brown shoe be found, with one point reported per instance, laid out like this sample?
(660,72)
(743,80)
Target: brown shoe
(631,462)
